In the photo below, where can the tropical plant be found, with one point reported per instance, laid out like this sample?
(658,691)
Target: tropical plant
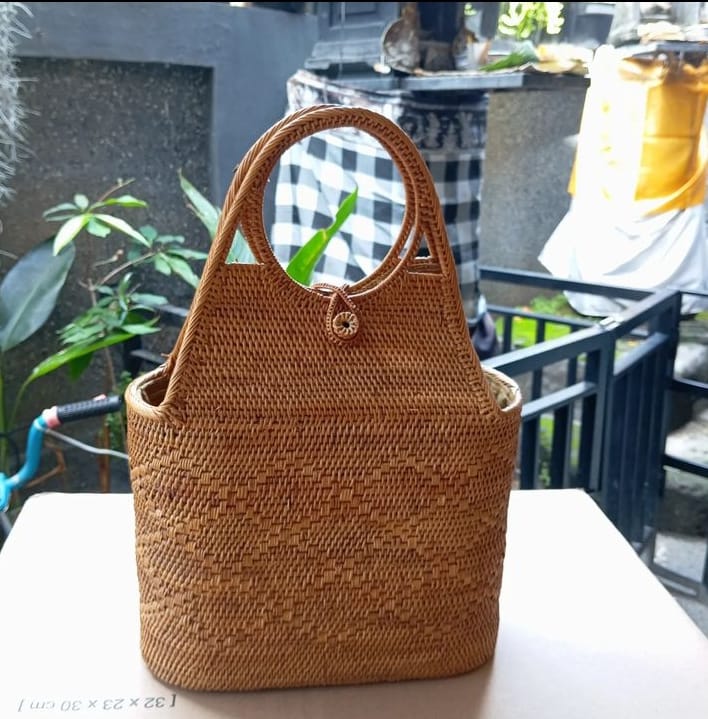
(117,310)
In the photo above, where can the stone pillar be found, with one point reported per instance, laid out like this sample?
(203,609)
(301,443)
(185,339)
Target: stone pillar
(528,159)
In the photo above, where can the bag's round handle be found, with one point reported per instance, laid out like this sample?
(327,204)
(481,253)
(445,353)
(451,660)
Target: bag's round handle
(243,205)
(227,229)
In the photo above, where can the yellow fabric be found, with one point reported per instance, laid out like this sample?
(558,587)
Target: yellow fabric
(642,148)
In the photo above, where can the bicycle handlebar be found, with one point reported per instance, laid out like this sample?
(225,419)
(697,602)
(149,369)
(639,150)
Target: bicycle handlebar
(81,410)
(49,419)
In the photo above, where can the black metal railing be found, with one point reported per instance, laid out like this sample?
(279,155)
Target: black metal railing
(698,390)
(600,422)
(604,419)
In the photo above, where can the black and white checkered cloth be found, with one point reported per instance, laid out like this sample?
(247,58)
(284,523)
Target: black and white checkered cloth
(317,174)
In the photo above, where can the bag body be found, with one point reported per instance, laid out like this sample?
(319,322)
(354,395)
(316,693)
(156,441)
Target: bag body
(321,475)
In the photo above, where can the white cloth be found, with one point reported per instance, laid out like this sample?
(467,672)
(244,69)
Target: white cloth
(665,250)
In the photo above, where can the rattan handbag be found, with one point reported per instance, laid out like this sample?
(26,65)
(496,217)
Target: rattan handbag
(321,475)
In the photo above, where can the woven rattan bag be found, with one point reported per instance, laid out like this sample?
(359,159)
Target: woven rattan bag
(321,475)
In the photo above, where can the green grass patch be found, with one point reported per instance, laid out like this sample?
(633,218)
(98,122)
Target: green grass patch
(523,329)
(555,305)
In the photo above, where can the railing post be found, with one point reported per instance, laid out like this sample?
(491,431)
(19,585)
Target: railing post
(596,421)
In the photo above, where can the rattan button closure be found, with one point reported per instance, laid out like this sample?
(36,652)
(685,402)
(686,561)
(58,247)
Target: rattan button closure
(345,325)
(341,326)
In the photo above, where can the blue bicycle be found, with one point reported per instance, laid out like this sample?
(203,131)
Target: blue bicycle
(46,424)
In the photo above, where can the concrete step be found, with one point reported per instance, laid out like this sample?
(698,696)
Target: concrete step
(679,555)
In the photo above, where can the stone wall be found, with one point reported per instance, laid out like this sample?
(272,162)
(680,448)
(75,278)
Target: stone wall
(528,160)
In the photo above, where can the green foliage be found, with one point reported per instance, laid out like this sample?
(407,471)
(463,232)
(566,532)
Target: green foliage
(554,305)
(28,294)
(517,58)
(523,331)
(209,216)
(302,265)
(202,208)
(115,308)
(29,291)
(117,311)
(76,357)
(79,214)
(526,20)
(167,255)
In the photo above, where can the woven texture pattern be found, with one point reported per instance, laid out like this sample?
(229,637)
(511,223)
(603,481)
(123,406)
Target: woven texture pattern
(321,475)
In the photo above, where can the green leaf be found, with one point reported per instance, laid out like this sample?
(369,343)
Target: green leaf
(343,213)
(63,357)
(64,206)
(140,329)
(122,226)
(149,233)
(170,239)
(79,365)
(181,268)
(240,251)
(202,208)
(188,254)
(81,201)
(123,201)
(137,317)
(68,231)
(302,265)
(97,228)
(125,281)
(144,298)
(513,59)
(75,335)
(162,265)
(29,291)
(84,331)
(209,215)
(61,218)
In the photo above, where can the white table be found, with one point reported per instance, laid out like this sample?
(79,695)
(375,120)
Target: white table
(586,630)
